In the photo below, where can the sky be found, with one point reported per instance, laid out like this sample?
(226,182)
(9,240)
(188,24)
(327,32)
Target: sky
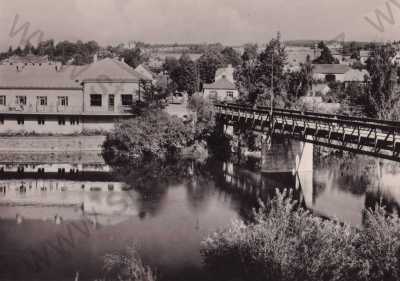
(231,22)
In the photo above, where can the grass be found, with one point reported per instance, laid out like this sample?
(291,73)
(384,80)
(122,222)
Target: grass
(286,242)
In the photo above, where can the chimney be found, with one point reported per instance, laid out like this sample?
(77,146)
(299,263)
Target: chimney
(95,57)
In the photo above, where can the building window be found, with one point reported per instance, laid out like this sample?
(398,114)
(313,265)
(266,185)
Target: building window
(61,121)
(126,100)
(20,121)
(2,100)
(95,100)
(21,100)
(42,100)
(1,120)
(229,94)
(40,121)
(63,101)
(74,121)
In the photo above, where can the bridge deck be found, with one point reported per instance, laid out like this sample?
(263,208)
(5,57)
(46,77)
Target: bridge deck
(375,137)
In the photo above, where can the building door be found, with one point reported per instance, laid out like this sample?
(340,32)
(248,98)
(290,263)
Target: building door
(111,102)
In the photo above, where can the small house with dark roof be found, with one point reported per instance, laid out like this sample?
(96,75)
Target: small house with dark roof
(221,90)
(66,99)
(326,72)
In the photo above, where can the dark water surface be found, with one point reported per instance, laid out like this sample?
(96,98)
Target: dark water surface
(63,220)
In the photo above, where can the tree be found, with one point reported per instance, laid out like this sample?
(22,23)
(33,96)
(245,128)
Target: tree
(231,56)
(326,55)
(245,74)
(208,65)
(182,73)
(46,48)
(154,135)
(270,72)
(18,51)
(188,75)
(27,49)
(250,52)
(132,57)
(298,83)
(383,90)
(204,120)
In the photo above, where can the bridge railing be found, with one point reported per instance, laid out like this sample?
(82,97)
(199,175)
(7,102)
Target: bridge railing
(350,121)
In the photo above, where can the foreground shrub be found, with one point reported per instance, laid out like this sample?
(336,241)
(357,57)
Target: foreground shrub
(127,266)
(286,242)
(152,135)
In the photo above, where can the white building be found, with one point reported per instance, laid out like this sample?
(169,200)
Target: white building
(221,90)
(336,72)
(66,99)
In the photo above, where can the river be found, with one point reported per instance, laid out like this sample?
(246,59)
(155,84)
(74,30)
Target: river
(61,216)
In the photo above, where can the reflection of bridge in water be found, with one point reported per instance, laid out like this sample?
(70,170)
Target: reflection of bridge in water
(343,191)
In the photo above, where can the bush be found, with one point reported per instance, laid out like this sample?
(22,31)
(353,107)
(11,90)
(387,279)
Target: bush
(153,135)
(127,266)
(288,243)
(204,119)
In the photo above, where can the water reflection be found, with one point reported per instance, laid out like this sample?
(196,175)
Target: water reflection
(166,209)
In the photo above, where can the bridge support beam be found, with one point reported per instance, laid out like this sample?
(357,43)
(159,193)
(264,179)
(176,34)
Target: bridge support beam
(285,155)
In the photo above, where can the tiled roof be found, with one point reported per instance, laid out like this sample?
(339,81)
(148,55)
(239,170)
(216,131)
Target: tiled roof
(145,71)
(110,69)
(69,77)
(38,77)
(220,84)
(330,68)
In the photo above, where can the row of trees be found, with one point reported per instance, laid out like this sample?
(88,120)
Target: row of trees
(64,51)
(77,53)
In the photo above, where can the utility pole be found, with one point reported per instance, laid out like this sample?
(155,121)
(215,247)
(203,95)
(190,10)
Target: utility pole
(272,82)
(269,139)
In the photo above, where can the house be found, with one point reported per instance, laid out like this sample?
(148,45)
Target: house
(396,58)
(356,75)
(66,99)
(146,72)
(330,72)
(364,55)
(221,90)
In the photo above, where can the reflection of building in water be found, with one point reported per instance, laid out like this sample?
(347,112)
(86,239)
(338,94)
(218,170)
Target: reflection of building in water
(54,196)
(60,168)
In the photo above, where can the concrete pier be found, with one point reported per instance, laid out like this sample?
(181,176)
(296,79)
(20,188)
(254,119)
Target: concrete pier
(282,155)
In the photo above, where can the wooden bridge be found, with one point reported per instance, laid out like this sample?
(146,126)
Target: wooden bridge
(380,138)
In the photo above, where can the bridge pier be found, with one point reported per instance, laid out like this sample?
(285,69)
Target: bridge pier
(282,155)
